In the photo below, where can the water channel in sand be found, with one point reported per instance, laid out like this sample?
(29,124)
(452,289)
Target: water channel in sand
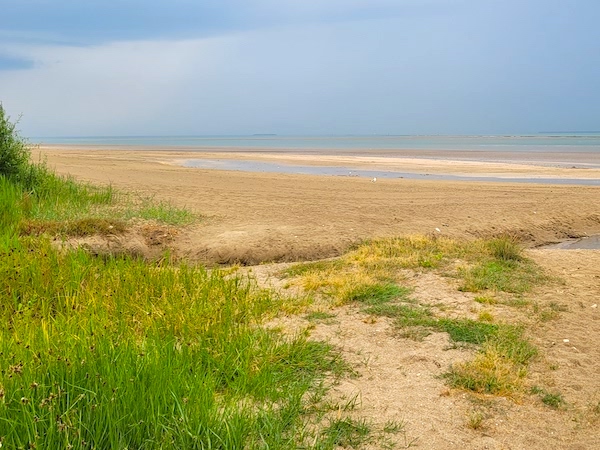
(586,243)
(267,167)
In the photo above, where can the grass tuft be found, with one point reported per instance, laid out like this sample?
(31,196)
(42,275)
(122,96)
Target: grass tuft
(475,420)
(505,248)
(499,368)
(346,433)
(553,400)
(500,275)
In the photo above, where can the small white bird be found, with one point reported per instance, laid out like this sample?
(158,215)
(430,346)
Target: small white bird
(374,180)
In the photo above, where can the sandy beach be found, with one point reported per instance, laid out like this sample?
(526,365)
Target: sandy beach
(254,217)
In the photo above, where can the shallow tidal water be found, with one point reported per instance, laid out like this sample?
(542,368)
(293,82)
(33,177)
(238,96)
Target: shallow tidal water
(585,243)
(267,167)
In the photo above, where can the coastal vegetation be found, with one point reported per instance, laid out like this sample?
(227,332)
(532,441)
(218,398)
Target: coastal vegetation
(372,274)
(117,352)
(114,351)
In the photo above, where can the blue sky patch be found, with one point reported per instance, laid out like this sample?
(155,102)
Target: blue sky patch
(12,63)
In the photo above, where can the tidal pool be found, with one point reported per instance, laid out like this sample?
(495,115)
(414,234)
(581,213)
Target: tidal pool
(268,167)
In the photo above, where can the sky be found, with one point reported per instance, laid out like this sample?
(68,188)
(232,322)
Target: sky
(299,67)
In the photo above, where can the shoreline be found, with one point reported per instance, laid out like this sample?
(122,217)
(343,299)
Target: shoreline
(581,168)
(590,158)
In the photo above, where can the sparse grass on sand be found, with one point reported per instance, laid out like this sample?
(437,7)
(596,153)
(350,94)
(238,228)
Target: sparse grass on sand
(372,273)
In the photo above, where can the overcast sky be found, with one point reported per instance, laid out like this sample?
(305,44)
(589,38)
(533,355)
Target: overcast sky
(206,67)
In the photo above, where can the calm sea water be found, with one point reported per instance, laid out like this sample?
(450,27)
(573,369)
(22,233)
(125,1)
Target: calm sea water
(562,143)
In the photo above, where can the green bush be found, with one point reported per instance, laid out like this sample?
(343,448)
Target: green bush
(14,152)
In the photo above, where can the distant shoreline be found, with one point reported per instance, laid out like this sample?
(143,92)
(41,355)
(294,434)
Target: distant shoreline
(573,160)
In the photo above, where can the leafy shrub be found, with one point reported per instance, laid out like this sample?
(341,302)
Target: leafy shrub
(14,152)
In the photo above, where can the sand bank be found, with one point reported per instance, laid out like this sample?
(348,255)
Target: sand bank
(253,217)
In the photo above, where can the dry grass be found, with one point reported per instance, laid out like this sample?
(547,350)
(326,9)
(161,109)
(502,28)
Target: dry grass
(369,273)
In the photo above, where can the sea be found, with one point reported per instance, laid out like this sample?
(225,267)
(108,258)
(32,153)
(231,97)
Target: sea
(543,142)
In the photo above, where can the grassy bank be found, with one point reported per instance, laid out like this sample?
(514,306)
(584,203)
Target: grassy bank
(115,352)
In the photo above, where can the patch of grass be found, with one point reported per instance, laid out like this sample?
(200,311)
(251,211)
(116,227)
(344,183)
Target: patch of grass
(415,333)
(494,265)
(467,330)
(121,353)
(368,272)
(118,353)
(375,294)
(414,316)
(500,275)
(314,266)
(345,433)
(505,248)
(485,300)
(485,316)
(499,368)
(553,400)
(516,302)
(371,266)
(393,427)
(43,202)
(158,211)
(475,420)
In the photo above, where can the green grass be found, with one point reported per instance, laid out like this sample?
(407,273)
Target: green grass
(61,206)
(553,400)
(468,331)
(486,300)
(116,352)
(495,265)
(370,275)
(37,201)
(376,294)
(505,248)
(500,275)
(345,433)
(158,211)
(119,353)
(499,368)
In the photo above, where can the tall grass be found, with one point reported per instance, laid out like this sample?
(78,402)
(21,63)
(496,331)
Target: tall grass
(118,353)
